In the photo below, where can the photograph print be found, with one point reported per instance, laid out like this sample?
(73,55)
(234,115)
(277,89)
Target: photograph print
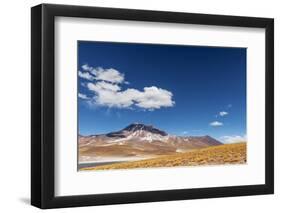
(160,105)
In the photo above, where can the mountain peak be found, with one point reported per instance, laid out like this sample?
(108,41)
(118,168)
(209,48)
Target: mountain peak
(138,126)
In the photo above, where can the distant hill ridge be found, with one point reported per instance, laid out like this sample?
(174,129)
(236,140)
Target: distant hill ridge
(139,140)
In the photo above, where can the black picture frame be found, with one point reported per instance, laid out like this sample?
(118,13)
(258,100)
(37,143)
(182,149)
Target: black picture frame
(43,111)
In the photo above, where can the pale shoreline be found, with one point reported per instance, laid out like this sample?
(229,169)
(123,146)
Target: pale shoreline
(110,159)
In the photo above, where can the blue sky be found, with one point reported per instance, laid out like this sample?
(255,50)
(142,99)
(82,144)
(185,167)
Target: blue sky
(183,90)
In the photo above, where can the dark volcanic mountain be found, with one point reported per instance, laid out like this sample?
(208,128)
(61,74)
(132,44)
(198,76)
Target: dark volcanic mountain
(138,140)
(135,127)
(138,129)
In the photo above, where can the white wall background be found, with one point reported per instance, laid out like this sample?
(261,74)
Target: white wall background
(15,105)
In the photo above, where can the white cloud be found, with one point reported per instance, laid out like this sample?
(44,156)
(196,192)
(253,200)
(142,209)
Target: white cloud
(123,99)
(99,73)
(154,98)
(108,94)
(86,67)
(85,75)
(216,123)
(83,96)
(102,85)
(234,138)
(223,113)
(105,83)
(110,75)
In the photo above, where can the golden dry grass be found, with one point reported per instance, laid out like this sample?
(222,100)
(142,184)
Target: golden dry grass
(215,155)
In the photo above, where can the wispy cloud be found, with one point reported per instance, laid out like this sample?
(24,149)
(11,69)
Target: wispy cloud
(102,86)
(234,138)
(85,75)
(184,132)
(216,124)
(99,73)
(223,113)
(86,67)
(106,86)
(191,131)
(83,96)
